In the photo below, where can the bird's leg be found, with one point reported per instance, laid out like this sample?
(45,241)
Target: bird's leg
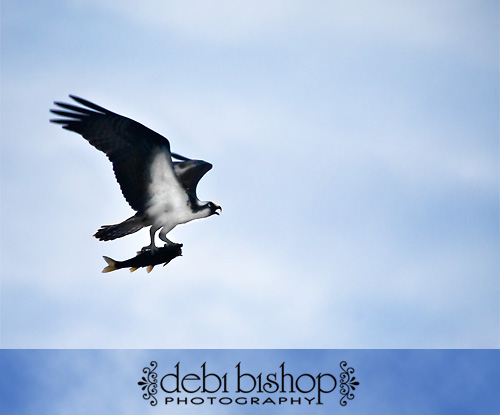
(151,247)
(163,236)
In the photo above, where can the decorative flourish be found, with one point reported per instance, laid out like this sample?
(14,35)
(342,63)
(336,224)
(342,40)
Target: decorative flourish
(149,383)
(347,383)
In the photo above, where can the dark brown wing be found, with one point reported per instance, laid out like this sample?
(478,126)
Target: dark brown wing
(128,144)
(190,173)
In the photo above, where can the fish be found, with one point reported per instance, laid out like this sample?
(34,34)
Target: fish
(145,258)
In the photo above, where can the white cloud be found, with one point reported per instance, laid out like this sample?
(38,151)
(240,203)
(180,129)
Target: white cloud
(412,23)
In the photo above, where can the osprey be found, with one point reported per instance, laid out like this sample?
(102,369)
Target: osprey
(162,192)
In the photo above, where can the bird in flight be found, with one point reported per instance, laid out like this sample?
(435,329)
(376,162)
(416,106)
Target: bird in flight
(160,190)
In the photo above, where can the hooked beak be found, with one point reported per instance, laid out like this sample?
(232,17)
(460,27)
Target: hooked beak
(217,208)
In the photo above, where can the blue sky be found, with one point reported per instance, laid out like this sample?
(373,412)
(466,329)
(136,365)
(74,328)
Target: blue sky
(390,381)
(355,153)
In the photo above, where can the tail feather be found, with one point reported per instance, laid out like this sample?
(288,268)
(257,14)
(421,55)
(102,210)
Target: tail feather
(111,264)
(110,232)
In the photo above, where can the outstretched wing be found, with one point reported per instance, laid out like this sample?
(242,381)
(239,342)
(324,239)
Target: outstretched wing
(190,173)
(129,145)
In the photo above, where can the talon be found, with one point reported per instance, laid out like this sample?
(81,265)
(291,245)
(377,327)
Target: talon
(150,248)
(172,244)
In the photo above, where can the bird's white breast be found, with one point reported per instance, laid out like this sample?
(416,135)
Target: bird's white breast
(164,188)
(168,201)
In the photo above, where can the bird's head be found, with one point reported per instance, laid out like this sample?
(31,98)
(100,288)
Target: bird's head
(214,209)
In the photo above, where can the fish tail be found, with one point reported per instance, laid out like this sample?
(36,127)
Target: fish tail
(111,264)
